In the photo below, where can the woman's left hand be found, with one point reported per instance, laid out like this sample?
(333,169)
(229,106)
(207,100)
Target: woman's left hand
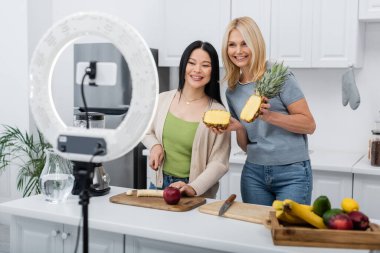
(184,188)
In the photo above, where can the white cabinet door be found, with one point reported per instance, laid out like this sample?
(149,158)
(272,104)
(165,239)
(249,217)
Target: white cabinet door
(336,33)
(291,29)
(317,33)
(8,185)
(366,193)
(259,10)
(144,245)
(99,241)
(369,10)
(187,21)
(334,185)
(29,236)
(230,182)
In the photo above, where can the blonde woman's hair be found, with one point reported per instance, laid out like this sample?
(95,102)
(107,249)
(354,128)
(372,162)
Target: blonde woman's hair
(253,38)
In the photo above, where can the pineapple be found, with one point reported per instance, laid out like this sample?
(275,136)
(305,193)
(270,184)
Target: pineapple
(217,118)
(268,86)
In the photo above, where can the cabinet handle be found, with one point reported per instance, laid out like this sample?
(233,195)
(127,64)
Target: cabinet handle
(54,233)
(65,235)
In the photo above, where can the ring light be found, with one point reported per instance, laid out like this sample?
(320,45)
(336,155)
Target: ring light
(77,143)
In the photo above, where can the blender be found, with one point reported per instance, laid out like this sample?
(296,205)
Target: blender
(100,182)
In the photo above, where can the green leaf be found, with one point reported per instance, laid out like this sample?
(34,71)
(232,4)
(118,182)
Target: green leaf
(26,153)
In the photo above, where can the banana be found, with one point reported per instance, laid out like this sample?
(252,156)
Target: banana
(288,218)
(278,205)
(305,214)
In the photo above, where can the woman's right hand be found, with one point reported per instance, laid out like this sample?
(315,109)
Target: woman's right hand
(156,156)
(234,125)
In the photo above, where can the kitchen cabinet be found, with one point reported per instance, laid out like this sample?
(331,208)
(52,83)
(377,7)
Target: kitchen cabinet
(230,182)
(335,185)
(303,34)
(187,21)
(367,187)
(259,10)
(317,34)
(291,29)
(369,10)
(143,245)
(366,193)
(44,236)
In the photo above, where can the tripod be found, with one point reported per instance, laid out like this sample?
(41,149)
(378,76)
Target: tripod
(83,173)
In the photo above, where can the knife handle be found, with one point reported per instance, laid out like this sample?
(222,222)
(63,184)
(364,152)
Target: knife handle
(231,198)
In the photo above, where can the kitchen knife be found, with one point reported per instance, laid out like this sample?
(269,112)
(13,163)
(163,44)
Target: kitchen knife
(227,204)
(156,178)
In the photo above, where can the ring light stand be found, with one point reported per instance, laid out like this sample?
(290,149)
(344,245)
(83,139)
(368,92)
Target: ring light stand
(85,147)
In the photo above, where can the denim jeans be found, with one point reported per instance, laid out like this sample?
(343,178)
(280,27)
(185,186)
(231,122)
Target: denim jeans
(262,184)
(168,180)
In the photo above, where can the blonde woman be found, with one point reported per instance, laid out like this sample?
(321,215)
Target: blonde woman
(278,164)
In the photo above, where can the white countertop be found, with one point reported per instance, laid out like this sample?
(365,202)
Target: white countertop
(364,167)
(188,228)
(323,160)
(320,160)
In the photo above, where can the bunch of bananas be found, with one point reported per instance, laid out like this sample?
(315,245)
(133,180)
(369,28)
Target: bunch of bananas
(292,212)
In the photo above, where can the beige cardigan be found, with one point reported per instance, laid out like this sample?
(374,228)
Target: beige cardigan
(210,152)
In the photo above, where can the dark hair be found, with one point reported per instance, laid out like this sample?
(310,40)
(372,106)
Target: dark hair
(212,88)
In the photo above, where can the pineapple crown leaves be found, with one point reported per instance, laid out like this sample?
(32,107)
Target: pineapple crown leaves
(271,82)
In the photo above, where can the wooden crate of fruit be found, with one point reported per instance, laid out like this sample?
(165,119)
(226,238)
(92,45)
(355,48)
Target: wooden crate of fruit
(330,238)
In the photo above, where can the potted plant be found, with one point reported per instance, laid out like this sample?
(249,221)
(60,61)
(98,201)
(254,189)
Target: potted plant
(27,153)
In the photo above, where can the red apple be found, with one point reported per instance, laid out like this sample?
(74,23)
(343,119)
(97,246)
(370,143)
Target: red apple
(172,195)
(340,221)
(359,219)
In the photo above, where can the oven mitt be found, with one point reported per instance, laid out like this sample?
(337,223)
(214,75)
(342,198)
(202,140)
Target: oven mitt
(350,93)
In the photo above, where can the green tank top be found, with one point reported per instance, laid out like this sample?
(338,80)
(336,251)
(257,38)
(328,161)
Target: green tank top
(178,137)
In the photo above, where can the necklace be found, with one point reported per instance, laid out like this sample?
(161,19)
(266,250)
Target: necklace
(188,101)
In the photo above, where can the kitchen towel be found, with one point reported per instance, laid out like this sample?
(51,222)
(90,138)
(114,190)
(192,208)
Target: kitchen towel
(350,92)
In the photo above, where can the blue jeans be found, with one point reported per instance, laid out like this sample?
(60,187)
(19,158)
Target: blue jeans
(262,184)
(168,180)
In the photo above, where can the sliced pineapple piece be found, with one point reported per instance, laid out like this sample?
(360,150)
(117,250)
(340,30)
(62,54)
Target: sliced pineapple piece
(217,118)
(251,109)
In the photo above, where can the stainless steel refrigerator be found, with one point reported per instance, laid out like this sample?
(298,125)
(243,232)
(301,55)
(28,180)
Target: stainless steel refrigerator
(113,100)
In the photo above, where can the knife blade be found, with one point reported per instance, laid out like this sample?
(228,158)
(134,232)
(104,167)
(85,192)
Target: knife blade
(156,178)
(227,204)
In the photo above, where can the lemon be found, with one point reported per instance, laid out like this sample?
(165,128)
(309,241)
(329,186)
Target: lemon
(349,205)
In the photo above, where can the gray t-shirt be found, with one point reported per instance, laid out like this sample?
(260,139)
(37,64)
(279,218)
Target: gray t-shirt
(269,144)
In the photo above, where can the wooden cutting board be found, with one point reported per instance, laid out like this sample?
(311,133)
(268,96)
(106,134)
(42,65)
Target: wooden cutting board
(185,203)
(240,211)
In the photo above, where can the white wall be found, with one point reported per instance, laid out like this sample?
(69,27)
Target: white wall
(13,82)
(14,64)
